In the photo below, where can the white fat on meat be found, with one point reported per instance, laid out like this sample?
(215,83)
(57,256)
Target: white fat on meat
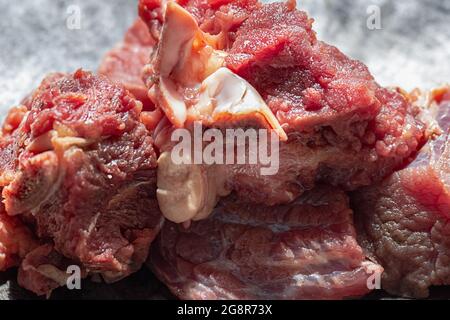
(189,58)
(225,94)
(187,192)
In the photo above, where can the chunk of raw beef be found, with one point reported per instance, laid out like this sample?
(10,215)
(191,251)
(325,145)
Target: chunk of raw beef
(78,166)
(243,64)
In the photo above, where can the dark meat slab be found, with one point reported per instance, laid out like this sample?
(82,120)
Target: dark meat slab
(305,250)
(404,221)
(124,64)
(78,166)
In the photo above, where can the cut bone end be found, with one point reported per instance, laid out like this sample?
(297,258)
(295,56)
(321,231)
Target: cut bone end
(186,191)
(225,94)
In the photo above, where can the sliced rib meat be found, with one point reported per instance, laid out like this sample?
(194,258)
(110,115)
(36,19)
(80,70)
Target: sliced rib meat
(404,221)
(79,167)
(124,64)
(305,250)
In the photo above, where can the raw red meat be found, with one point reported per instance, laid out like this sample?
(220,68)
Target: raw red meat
(78,165)
(309,84)
(16,241)
(304,250)
(343,129)
(125,63)
(404,221)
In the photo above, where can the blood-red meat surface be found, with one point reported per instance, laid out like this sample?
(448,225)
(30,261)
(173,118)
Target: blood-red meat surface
(343,128)
(305,250)
(78,166)
(124,64)
(404,221)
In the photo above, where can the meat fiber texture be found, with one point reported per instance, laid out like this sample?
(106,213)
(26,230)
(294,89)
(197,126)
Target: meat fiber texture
(78,167)
(343,128)
(124,64)
(404,221)
(304,250)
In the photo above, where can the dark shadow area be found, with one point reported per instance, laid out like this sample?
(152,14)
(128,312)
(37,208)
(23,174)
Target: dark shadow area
(142,285)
